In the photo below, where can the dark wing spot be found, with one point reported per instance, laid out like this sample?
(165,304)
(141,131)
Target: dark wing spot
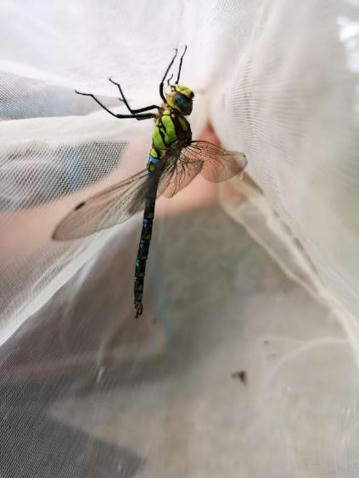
(79,206)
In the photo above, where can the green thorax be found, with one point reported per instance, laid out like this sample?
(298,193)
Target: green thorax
(170,126)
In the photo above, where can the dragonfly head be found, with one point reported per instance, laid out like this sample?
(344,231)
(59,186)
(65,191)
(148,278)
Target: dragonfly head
(181,98)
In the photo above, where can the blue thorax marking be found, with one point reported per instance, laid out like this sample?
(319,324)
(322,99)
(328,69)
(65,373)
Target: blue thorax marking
(152,160)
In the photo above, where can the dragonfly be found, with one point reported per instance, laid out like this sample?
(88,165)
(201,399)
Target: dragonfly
(175,159)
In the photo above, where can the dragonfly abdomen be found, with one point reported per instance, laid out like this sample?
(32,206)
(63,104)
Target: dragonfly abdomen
(143,249)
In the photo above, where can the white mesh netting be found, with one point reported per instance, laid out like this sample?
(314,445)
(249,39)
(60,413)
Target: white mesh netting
(85,390)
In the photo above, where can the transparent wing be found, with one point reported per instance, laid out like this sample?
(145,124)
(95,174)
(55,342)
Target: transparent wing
(218,163)
(119,202)
(178,175)
(111,206)
(213,162)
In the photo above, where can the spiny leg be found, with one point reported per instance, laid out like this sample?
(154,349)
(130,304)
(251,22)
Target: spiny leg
(133,111)
(138,117)
(180,65)
(166,73)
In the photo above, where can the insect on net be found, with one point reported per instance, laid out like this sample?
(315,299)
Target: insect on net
(261,286)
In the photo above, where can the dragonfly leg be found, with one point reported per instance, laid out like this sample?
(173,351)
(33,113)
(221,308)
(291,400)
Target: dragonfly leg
(165,75)
(133,111)
(138,117)
(180,65)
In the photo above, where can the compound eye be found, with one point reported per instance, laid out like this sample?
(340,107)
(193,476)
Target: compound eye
(182,100)
(184,104)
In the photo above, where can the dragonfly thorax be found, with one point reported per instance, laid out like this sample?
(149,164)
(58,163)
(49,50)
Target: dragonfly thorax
(172,132)
(180,98)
